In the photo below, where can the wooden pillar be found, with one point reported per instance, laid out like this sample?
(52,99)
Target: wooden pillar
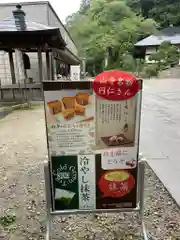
(48,66)
(40,65)
(54,68)
(51,66)
(84,65)
(13,76)
(25,73)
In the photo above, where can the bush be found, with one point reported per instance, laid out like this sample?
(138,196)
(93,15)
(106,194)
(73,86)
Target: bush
(166,56)
(128,63)
(151,70)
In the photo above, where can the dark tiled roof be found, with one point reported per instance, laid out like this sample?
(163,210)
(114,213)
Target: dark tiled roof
(170,34)
(9,25)
(34,34)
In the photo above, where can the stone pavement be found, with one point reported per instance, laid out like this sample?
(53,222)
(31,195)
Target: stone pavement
(160,131)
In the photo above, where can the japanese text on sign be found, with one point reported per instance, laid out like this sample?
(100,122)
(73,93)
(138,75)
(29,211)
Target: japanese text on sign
(116,86)
(84,188)
(86,166)
(70,126)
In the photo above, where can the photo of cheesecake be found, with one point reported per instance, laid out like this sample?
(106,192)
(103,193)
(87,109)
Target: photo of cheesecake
(69,107)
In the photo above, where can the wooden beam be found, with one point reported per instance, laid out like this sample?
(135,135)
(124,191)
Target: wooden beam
(12,68)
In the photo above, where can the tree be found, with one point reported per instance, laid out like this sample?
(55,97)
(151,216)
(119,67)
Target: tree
(141,7)
(108,30)
(85,5)
(166,12)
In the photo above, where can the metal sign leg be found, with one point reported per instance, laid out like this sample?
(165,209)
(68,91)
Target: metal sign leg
(141,175)
(141,197)
(48,202)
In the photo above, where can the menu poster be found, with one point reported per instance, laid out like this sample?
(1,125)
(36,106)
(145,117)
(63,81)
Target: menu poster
(80,182)
(117,131)
(70,117)
(116,123)
(118,108)
(93,141)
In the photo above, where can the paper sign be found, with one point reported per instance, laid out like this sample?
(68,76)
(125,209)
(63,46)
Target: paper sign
(75,73)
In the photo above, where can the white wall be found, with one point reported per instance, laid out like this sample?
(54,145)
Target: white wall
(5,72)
(5,75)
(150,50)
(54,22)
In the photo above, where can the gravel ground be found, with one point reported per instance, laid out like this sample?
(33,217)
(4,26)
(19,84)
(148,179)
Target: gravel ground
(22,152)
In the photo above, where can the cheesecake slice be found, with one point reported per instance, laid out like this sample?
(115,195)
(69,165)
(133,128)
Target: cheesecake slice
(83,99)
(69,102)
(68,114)
(55,107)
(80,110)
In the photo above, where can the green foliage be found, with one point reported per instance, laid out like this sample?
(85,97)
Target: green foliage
(166,56)
(166,12)
(108,28)
(8,222)
(84,6)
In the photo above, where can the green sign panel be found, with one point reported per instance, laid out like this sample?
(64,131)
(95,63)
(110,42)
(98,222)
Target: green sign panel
(65,179)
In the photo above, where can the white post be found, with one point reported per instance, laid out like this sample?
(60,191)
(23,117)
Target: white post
(75,73)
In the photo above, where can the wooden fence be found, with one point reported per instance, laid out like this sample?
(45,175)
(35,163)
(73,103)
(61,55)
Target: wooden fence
(18,93)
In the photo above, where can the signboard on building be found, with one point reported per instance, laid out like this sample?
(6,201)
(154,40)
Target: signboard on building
(75,73)
(93,140)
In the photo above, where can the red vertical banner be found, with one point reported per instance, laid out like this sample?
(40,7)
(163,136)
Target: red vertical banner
(118,102)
